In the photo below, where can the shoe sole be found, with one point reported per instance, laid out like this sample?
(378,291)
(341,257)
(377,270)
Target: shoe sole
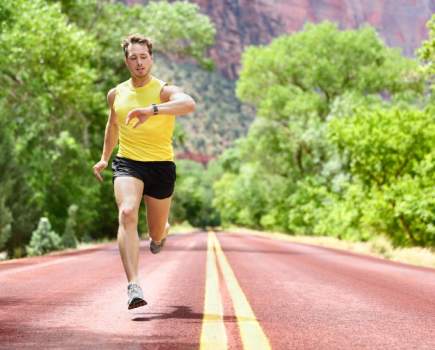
(136,302)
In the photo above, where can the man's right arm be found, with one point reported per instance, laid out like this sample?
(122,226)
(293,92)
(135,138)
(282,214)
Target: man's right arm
(110,137)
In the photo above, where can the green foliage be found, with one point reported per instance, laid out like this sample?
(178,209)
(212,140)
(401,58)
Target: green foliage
(303,73)
(234,194)
(405,210)
(340,143)
(66,157)
(5,223)
(14,191)
(389,156)
(427,51)
(383,145)
(193,195)
(6,181)
(44,239)
(69,238)
(303,204)
(340,214)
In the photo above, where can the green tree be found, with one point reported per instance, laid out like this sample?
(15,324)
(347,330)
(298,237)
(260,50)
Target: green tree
(307,79)
(390,153)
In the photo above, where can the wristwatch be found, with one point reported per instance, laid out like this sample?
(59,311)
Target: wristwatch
(155,109)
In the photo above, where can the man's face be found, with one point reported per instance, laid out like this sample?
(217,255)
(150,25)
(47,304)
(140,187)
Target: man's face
(138,61)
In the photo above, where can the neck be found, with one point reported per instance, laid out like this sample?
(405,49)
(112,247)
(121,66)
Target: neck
(140,81)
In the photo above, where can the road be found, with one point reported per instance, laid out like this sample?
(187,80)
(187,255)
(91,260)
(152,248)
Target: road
(218,291)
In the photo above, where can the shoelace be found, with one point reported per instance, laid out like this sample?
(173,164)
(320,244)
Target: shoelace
(133,288)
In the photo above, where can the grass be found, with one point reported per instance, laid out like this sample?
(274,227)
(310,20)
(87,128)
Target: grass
(380,246)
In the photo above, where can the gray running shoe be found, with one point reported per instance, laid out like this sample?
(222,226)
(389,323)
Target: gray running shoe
(135,296)
(155,248)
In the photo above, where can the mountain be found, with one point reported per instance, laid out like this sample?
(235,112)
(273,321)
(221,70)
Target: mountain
(401,23)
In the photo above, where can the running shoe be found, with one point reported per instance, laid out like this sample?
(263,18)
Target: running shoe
(156,247)
(135,296)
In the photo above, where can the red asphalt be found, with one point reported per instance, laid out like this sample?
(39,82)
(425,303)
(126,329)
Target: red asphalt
(304,297)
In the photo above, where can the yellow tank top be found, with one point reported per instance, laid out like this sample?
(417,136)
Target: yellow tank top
(152,140)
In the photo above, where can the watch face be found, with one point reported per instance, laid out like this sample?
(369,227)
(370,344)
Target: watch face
(155,109)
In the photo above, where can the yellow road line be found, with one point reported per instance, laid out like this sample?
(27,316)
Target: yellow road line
(213,334)
(251,332)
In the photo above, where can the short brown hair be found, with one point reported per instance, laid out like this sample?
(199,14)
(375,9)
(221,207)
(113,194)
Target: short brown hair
(136,39)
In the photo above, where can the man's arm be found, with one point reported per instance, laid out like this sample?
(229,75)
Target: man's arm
(174,102)
(110,137)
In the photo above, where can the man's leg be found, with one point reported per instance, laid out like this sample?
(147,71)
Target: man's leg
(157,216)
(128,194)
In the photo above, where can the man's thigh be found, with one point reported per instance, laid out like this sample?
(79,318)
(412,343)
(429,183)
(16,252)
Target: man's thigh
(157,213)
(128,191)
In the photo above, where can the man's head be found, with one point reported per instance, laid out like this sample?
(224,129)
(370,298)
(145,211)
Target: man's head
(138,51)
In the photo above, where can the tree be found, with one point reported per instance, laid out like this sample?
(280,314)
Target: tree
(307,79)
(390,155)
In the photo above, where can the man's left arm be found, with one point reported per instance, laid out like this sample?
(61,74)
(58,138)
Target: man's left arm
(174,102)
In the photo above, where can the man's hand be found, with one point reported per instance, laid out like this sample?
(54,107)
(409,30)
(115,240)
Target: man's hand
(98,168)
(142,114)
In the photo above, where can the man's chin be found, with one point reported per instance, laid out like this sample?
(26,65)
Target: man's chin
(139,75)
(142,74)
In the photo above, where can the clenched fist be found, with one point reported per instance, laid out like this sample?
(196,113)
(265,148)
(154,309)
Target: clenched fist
(98,168)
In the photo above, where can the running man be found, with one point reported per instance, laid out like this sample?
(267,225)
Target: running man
(142,118)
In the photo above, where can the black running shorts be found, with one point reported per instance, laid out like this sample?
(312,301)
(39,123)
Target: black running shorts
(158,177)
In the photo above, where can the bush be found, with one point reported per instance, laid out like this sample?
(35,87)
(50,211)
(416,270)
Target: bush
(43,240)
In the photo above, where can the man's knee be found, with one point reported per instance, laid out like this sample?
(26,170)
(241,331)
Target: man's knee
(128,214)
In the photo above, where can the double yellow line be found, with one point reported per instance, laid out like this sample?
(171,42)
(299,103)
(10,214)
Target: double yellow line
(213,333)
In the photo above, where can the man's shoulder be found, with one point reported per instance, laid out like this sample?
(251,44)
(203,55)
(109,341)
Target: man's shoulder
(111,95)
(159,81)
(113,91)
(124,84)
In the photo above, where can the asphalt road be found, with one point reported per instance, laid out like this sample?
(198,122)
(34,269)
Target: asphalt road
(218,291)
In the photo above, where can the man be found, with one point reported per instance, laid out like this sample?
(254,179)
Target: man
(142,117)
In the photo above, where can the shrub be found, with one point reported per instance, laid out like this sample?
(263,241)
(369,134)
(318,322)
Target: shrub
(43,239)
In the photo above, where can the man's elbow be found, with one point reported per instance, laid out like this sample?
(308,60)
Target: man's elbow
(191,105)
